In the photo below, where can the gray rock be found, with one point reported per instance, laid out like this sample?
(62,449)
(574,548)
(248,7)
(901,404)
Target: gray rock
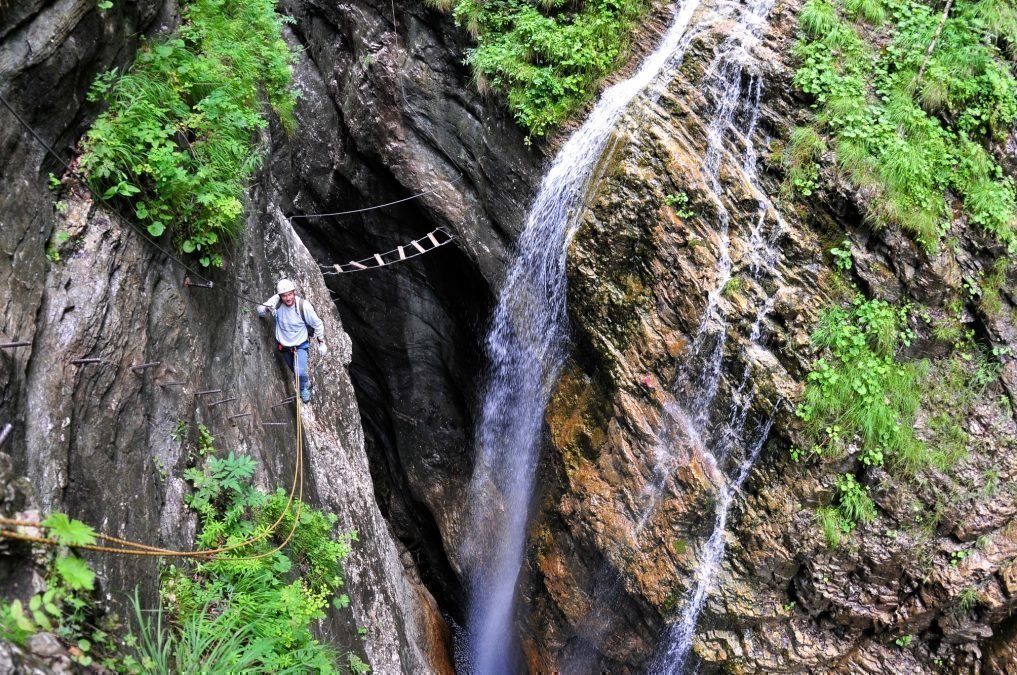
(45,644)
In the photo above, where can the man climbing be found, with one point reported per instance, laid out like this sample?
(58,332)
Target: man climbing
(295,324)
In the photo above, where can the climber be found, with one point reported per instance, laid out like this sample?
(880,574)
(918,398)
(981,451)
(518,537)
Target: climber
(295,324)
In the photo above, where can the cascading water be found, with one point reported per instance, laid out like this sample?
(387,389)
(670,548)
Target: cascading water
(526,348)
(739,92)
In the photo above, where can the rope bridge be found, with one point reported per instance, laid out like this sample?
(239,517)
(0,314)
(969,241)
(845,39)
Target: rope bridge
(425,244)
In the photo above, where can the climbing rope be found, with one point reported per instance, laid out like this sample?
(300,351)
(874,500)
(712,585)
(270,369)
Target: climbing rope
(129,547)
(376,206)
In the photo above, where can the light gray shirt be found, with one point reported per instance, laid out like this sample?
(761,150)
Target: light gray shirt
(290,329)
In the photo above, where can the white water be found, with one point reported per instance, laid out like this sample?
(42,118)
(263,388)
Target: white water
(526,347)
(739,92)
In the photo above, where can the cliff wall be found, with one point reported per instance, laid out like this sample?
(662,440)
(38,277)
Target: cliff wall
(94,440)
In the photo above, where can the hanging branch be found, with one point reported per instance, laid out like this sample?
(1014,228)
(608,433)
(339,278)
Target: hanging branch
(935,38)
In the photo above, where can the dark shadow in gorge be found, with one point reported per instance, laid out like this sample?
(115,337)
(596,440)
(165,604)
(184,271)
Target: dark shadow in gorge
(417,330)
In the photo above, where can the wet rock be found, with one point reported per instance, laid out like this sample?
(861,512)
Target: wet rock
(638,487)
(113,297)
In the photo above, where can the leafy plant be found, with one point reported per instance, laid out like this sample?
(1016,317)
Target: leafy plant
(860,390)
(179,432)
(904,641)
(206,442)
(842,256)
(69,532)
(907,129)
(958,556)
(176,142)
(546,57)
(680,203)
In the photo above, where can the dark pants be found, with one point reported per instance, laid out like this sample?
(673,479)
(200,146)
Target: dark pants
(300,351)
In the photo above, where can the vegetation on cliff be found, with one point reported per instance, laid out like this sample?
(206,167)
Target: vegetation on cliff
(177,141)
(249,608)
(547,58)
(270,590)
(908,99)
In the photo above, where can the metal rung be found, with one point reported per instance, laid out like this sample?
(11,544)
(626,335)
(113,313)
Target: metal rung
(195,284)
(225,400)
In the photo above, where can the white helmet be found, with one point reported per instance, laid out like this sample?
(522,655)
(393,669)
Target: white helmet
(284,286)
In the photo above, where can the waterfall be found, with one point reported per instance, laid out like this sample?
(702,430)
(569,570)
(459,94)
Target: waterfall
(526,347)
(739,92)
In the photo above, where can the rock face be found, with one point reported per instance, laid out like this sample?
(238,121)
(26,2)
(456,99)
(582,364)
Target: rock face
(624,533)
(693,295)
(94,440)
(396,116)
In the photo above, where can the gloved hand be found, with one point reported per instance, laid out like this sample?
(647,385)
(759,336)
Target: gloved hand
(322,348)
(264,310)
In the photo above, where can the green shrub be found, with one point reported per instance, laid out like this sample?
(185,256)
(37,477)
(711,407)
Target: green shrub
(546,57)
(257,584)
(177,140)
(912,142)
(861,388)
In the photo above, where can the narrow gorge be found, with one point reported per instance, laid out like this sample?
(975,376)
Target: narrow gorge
(716,374)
